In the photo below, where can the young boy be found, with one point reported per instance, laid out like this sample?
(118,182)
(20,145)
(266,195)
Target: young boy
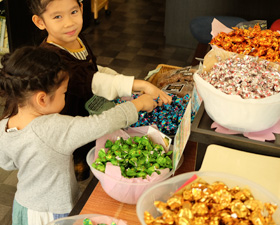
(63,21)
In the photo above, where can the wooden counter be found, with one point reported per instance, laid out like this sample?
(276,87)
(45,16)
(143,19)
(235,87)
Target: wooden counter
(101,203)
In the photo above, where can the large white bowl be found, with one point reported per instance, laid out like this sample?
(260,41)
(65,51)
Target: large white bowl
(78,220)
(165,189)
(235,113)
(119,190)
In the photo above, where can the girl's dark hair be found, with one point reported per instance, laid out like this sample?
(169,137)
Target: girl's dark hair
(38,7)
(27,70)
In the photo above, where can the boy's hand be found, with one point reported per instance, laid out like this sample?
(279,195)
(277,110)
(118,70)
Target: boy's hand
(148,88)
(161,96)
(145,102)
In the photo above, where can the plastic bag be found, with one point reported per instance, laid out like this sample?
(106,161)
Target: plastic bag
(252,23)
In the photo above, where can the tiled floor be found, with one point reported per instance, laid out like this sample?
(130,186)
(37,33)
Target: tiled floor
(130,41)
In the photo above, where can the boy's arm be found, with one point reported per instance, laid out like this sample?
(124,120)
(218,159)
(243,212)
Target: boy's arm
(108,70)
(111,86)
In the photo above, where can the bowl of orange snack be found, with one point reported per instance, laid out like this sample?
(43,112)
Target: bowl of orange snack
(254,41)
(208,198)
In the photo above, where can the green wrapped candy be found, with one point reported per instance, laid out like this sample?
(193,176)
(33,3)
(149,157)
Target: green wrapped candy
(108,144)
(141,174)
(131,172)
(129,141)
(136,139)
(115,162)
(115,147)
(101,167)
(87,221)
(136,157)
(109,157)
(133,161)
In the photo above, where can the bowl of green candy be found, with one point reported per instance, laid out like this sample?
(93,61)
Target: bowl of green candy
(128,165)
(88,219)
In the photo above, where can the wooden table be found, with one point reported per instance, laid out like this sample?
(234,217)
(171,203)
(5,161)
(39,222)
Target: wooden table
(95,201)
(100,203)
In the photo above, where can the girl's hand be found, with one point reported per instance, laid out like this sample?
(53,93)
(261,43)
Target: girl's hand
(148,88)
(145,102)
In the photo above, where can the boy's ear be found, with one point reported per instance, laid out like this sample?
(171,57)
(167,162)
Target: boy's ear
(82,7)
(38,21)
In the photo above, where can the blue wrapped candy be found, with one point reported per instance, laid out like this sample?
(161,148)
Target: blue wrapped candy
(166,117)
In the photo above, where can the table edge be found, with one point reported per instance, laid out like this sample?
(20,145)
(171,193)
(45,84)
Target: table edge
(84,197)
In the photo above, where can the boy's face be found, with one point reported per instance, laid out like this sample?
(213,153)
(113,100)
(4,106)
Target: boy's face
(63,20)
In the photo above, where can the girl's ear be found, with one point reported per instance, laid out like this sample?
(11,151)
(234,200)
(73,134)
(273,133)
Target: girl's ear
(38,21)
(41,99)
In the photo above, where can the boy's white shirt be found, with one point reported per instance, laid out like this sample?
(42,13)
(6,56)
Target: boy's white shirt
(108,70)
(110,85)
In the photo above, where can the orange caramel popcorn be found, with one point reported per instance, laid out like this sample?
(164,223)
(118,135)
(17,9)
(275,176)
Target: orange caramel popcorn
(264,44)
(200,203)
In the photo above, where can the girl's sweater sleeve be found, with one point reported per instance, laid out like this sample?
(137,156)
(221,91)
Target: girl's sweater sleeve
(65,133)
(112,86)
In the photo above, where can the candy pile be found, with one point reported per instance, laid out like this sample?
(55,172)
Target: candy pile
(201,203)
(89,222)
(244,76)
(166,117)
(136,157)
(253,41)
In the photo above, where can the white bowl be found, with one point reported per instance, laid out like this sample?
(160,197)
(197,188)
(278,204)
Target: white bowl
(119,190)
(164,190)
(235,113)
(78,220)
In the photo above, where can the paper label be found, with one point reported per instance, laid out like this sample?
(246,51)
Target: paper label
(152,132)
(174,88)
(182,136)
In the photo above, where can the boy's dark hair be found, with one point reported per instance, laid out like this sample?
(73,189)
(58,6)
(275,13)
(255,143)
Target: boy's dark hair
(38,7)
(27,70)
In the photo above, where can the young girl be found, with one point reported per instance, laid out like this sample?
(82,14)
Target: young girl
(63,21)
(39,142)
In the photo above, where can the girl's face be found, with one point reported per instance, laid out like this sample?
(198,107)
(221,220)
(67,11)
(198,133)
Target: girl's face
(57,101)
(63,20)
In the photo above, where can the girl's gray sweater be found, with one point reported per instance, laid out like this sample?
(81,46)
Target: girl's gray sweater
(42,152)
